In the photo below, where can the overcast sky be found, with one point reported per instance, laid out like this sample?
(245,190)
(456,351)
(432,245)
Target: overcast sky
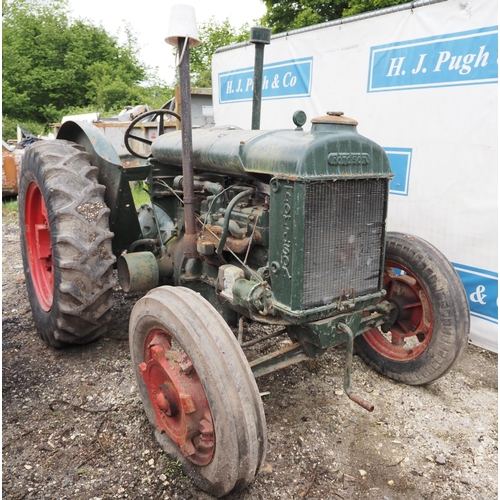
(150,19)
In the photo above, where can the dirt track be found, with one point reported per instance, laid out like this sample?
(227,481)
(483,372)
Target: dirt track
(74,427)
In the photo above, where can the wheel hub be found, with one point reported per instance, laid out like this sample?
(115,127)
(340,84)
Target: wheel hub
(39,246)
(409,329)
(178,398)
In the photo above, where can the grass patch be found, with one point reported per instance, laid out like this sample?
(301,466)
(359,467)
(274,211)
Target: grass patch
(140,195)
(10,205)
(173,469)
(9,210)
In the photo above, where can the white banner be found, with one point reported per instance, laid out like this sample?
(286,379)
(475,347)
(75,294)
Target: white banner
(421,82)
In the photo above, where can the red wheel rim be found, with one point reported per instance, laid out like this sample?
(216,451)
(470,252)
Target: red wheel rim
(39,246)
(411,332)
(177,396)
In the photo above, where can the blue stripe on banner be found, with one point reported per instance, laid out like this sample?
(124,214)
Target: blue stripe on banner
(464,58)
(281,80)
(400,160)
(481,287)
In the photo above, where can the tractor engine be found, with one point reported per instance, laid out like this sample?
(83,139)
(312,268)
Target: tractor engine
(290,224)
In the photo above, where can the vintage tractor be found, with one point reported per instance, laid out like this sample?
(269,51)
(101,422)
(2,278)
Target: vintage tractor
(281,227)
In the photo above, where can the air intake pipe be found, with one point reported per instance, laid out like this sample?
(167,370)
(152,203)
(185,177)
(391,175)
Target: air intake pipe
(183,33)
(260,37)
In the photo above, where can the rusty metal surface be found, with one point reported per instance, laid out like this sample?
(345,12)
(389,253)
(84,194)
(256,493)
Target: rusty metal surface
(342,327)
(361,401)
(190,251)
(277,360)
(114,132)
(137,271)
(11,163)
(260,339)
(227,217)
(238,246)
(177,397)
(335,117)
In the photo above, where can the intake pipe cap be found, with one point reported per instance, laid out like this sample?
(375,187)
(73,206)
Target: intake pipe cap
(182,25)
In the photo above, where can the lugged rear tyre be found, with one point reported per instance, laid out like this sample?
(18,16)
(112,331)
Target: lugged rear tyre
(65,243)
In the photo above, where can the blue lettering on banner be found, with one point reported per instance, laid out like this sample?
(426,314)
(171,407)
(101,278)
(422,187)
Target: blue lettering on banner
(280,80)
(464,58)
(400,160)
(481,287)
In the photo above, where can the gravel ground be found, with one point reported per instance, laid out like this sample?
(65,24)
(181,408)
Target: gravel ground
(74,427)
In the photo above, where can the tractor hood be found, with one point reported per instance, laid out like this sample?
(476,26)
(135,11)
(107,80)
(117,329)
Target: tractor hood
(331,149)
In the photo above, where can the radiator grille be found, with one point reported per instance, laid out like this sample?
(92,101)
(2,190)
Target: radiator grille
(344,224)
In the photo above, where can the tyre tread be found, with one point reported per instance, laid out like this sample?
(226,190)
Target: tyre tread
(81,246)
(224,374)
(450,310)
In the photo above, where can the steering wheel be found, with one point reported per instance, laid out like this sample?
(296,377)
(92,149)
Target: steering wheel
(140,118)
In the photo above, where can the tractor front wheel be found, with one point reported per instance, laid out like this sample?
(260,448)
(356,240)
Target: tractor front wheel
(429,325)
(65,243)
(197,389)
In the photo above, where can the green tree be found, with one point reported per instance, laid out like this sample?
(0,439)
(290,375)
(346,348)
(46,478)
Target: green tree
(286,15)
(360,6)
(51,64)
(213,35)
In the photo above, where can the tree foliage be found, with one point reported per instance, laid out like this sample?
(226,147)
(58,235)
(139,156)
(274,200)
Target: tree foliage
(213,35)
(360,6)
(52,64)
(286,15)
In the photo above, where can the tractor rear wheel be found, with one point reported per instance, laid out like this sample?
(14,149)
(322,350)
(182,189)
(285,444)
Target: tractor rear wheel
(197,389)
(429,325)
(65,243)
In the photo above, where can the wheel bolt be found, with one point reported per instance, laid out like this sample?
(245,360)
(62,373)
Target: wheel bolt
(163,404)
(185,364)
(166,402)
(206,429)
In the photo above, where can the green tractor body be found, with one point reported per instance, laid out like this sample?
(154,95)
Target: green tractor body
(290,224)
(286,228)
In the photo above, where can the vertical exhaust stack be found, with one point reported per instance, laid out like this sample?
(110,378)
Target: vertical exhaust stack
(183,34)
(260,37)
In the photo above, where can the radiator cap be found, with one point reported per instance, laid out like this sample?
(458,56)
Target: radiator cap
(336,118)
